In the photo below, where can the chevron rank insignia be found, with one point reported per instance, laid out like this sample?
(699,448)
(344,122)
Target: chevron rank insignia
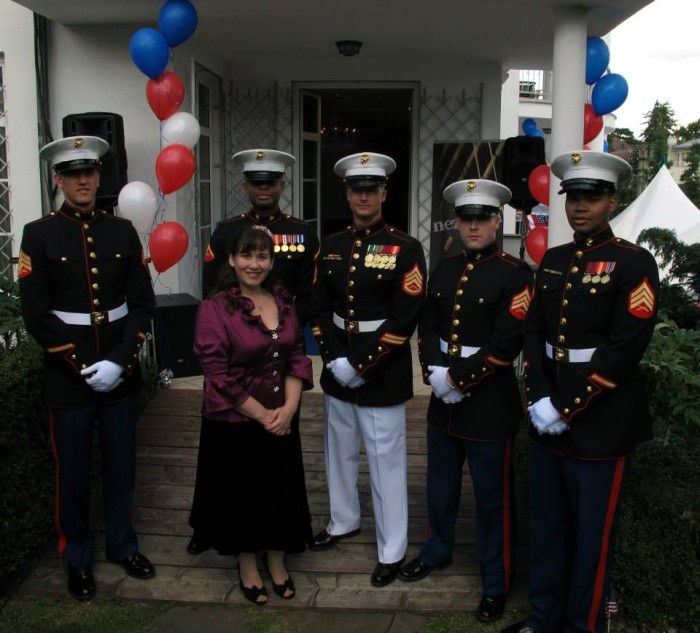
(392,339)
(209,254)
(24,267)
(413,281)
(519,303)
(642,301)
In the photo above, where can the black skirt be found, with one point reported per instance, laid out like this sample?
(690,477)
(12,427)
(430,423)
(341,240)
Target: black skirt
(250,493)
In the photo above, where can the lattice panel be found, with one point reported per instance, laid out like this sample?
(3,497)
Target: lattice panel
(443,118)
(258,118)
(5,207)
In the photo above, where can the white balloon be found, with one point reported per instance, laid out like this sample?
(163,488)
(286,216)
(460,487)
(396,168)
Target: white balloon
(138,202)
(181,128)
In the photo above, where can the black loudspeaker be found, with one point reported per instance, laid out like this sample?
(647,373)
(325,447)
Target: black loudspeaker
(521,154)
(110,127)
(174,334)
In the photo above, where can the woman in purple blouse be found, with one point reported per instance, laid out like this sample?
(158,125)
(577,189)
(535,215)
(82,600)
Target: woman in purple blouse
(250,347)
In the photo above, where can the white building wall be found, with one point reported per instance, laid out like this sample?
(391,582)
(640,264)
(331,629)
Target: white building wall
(17,46)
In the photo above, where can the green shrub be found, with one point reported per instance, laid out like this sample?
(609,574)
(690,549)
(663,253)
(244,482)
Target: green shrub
(26,467)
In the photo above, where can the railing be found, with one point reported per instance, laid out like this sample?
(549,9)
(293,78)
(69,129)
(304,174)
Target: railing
(536,85)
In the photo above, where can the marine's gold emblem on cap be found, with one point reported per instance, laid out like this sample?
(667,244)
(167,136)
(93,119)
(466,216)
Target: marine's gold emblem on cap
(364,159)
(575,158)
(78,142)
(471,185)
(260,156)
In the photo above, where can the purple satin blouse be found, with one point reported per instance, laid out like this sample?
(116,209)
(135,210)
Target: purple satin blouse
(241,358)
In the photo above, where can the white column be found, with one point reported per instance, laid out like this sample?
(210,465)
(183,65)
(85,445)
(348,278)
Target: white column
(568,98)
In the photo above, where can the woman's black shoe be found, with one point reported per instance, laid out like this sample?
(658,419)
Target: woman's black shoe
(197,545)
(287,585)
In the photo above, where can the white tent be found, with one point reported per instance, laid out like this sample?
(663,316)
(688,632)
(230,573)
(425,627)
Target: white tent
(661,205)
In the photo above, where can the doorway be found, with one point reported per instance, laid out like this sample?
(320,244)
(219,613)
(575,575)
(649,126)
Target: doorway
(338,121)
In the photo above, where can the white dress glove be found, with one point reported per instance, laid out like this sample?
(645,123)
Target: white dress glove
(454,396)
(556,428)
(106,375)
(438,380)
(543,415)
(342,371)
(356,382)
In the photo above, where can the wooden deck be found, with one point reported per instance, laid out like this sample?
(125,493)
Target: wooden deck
(167,453)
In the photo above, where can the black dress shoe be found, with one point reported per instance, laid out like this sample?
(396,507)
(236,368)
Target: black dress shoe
(417,570)
(491,608)
(197,545)
(137,566)
(80,583)
(385,573)
(323,540)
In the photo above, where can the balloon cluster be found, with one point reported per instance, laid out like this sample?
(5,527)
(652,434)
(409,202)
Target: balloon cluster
(536,238)
(150,50)
(530,128)
(609,89)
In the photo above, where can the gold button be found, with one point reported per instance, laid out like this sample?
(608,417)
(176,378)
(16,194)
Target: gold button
(352,269)
(351,283)
(463,279)
(574,269)
(93,255)
(379,349)
(136,355)
(96,302)
(86,226)
(460,292)
(454,337)
(544,286)
(457,307)
(356,256)
(579,254)
(473,375)
(589,241)
(64,259)
(566,412)
(577,400)
(73,356)
(454,350)
(593,291)
(563,321)
(360,366)
(90,240)
(561,338)
(589,389)
(370,358)
(358,243)
(568,286)
(565,302)
(118,255)
(483,369)
(351,298)
(481,300)
(94,271)
(351,313)
(95,286)
(529,402)
(461,383)
(128,367)
(470,266)
(379,276)
(455,322)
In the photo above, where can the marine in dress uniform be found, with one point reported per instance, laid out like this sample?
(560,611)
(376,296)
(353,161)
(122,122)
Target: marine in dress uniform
(368,291)
(469,336)
(589,324)
(87,299)
(296,246)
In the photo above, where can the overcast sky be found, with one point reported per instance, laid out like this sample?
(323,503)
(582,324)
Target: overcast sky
(658,52)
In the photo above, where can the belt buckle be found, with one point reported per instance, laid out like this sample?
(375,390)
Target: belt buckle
(98,318)
(352,326)
(561,354)
(454,350)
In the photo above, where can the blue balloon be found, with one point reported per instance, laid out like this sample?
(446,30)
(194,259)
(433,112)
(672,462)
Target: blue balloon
(538,133)
(149,51)
(177,21)
(609,93)
(606,147)
(597,59)
(529,126)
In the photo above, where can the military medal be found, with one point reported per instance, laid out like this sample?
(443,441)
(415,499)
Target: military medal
(284,248)
(609,267)
(605,279)
(276,239)
(586,279)
(293,245)
(595,279)
(300,246)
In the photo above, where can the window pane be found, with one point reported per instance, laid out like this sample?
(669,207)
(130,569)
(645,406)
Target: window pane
(310,160)
(203,106)
(310,108)
(204,162)
(310,210)
(205,203)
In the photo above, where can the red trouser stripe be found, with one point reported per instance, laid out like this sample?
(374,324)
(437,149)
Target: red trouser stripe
(507,554)
(57,511)
(605,544)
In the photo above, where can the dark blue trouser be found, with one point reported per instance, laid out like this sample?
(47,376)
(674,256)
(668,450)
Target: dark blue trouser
(491,468)
(71,437)
(573,523)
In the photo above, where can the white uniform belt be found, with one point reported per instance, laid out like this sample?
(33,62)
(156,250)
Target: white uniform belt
(356,326)
(569,355)
(457,350)
(92,318)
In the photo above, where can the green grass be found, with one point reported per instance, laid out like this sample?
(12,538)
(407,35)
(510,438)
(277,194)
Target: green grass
(64,615)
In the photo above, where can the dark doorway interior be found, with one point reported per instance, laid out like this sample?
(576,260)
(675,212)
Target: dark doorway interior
(365,120)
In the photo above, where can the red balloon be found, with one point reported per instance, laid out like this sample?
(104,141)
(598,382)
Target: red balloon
(538,183)
(167,245)
(592,123)
(175,166)
(165,94)
(536,243)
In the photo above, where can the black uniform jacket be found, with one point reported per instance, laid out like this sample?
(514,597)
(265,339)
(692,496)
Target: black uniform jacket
(84,263)
(296,246)
(596,292)
(476,300)
(376,273)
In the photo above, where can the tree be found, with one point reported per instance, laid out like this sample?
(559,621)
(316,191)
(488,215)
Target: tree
(622,143)
(660,124)
(690,178)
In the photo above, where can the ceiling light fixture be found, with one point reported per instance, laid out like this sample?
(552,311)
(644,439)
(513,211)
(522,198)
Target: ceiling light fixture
(349,48)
